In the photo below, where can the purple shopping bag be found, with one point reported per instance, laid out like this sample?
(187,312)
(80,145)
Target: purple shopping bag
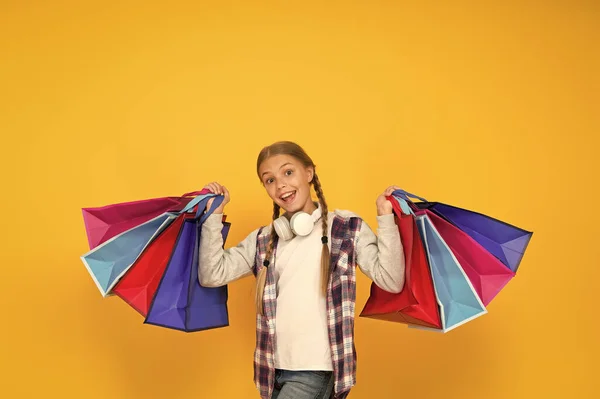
(180,302)
(505,241)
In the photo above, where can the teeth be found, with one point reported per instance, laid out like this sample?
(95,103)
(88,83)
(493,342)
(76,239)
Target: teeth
(286,195)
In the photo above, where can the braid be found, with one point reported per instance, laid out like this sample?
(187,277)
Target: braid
(262,275)
(325,271)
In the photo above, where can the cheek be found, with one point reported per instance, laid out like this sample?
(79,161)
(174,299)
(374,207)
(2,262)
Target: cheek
(302,181)
(300,185)
(271,191)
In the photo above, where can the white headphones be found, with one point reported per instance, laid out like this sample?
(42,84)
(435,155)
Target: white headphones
(301,224)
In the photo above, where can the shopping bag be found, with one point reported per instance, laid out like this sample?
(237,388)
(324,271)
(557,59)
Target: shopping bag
(109,261)
(487,274)
(102,223)
(505,241)
(457,299)
(138,286)
(180,302)
(416,303)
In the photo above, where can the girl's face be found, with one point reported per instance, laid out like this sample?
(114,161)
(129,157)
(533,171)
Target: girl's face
(287,182)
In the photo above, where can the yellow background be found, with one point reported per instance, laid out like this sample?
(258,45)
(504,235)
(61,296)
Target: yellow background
(493,107)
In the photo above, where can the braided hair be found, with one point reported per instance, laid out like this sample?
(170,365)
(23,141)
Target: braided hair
(294,150)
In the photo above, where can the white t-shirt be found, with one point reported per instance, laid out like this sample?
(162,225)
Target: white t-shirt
(301,317)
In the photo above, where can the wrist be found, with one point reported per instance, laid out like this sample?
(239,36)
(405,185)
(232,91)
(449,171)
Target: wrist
(220,210)
(382,212)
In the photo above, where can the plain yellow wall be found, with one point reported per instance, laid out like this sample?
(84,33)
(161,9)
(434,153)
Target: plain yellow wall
(493,107)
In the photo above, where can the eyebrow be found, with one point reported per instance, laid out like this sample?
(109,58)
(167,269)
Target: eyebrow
(287,163)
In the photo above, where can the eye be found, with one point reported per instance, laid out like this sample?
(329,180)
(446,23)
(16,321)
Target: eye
(269,180)
(288,172)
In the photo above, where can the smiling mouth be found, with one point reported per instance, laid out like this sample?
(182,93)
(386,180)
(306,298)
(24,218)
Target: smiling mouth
(288,197)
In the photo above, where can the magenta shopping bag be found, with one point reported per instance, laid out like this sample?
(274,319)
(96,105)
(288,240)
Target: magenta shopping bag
(102,223)
(486,272)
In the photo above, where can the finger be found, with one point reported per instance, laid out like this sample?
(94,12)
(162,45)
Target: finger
(393,188)
(226,192)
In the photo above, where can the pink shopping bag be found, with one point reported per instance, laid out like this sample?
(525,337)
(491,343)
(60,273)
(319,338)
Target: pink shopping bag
(103,223)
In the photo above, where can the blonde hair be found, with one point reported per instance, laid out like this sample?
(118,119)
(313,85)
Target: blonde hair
(294,150)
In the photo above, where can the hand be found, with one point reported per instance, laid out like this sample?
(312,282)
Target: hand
(384,207)
(216,188)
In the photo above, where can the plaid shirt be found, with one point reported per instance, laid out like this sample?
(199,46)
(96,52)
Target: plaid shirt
(340,308)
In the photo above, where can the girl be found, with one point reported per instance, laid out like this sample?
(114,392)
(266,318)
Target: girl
(305,267)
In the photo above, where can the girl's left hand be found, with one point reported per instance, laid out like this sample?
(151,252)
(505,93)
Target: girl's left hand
(384,207)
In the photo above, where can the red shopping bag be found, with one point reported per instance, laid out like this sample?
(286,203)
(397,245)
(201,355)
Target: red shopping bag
(138,286)
(417,303)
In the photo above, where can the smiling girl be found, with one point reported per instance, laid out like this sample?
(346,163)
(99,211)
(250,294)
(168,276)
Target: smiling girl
(305,266)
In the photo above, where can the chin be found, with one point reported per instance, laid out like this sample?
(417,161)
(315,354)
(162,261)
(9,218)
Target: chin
(290,208)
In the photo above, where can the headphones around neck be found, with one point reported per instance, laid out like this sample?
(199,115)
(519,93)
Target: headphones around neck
(301,224)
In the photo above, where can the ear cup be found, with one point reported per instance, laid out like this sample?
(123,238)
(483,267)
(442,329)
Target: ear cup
(283,229)
(302,223)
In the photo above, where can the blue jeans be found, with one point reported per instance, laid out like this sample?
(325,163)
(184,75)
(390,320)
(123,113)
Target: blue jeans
(303,384)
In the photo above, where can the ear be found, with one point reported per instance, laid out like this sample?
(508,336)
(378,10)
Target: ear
(311,172)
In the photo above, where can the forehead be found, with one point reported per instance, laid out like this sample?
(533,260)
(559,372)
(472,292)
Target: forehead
(275,162)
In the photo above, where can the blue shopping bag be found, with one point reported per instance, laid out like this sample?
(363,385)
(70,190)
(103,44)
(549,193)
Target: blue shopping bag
(457,298)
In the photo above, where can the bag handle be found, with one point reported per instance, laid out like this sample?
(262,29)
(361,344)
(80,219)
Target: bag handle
(405,195)
(195,201)
(402,204)
(200,201)
(196,193)
(403,198)
(202,205)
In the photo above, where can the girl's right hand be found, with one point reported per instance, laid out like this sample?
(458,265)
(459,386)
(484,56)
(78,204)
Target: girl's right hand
(216,188)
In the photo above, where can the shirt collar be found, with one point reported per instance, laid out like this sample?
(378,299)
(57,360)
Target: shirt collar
(317,213)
